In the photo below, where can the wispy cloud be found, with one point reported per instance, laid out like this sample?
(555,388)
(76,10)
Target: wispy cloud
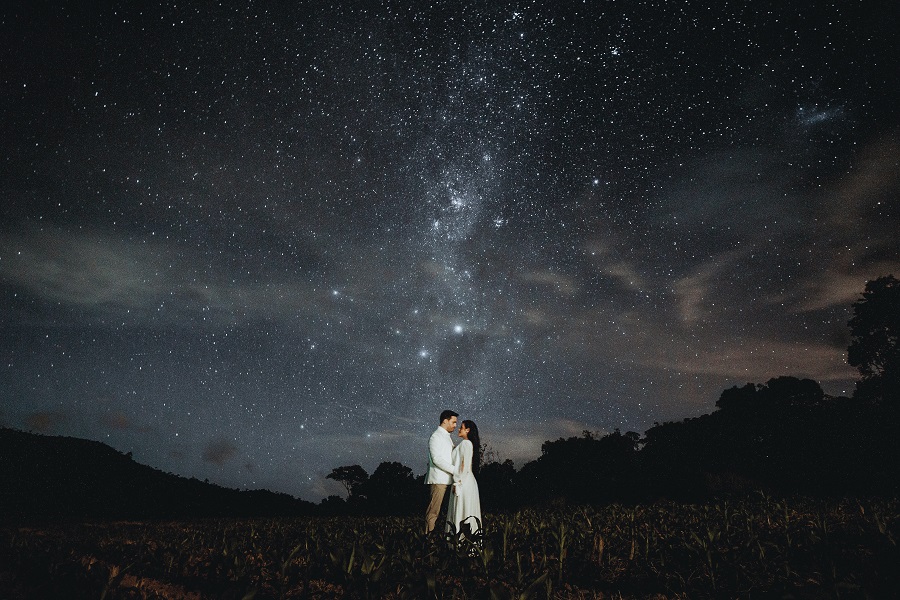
(100,272)
(546,279)
(82,268)
(691,291)
(839,288)
(758,360)
(855,199)
(860,231)
(607,259)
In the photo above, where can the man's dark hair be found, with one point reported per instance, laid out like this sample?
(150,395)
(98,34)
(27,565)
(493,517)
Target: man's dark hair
(447,414)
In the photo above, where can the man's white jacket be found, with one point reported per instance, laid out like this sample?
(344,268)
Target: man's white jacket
(440,462)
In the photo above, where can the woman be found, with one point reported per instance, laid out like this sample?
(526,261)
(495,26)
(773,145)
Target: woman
(465,504)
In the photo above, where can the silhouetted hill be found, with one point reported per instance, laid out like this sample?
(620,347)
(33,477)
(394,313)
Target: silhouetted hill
(63,477)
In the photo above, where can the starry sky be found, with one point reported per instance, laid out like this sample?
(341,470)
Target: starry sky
(252,242)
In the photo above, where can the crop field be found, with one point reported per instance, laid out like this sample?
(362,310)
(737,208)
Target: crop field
(756,548)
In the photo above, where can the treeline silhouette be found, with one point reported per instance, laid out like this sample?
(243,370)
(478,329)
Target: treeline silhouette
(782,438)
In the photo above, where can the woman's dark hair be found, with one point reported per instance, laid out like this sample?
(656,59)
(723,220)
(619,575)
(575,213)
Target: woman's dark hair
(476,444)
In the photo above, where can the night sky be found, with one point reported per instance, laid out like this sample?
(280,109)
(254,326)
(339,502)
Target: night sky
(253,244)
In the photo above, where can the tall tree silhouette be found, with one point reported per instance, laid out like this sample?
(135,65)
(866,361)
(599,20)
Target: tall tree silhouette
(351,477)
(497,485)
(393,490)
(875,349)
(581,469)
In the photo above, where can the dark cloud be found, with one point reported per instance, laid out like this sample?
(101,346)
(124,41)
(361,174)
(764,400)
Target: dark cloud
(219,452)
(45,421)
(116,420)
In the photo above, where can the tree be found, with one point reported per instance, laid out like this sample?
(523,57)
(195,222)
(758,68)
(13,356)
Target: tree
(738,398)
(351,477)
(791,391)
(496,483)
(392,490)
(333,506)
(875,349)
(559,474)
(776,394)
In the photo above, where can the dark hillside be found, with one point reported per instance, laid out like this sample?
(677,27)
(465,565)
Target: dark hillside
(66,478)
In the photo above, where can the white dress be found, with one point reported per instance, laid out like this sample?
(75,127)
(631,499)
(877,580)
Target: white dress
(465,503)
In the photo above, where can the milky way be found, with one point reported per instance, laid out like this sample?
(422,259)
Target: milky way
(254,244)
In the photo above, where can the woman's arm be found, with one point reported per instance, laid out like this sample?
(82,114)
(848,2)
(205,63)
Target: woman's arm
(466,457)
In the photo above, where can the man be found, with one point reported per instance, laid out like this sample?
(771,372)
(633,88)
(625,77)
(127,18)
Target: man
(440,466)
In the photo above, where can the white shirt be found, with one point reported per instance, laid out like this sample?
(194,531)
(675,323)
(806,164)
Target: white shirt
(440,463)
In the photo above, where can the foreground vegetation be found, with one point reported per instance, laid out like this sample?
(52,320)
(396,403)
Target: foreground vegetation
(760,547)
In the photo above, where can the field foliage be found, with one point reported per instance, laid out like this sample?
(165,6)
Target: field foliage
(760,547)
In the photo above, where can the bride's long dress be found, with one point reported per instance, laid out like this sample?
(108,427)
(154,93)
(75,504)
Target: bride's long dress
(465,503)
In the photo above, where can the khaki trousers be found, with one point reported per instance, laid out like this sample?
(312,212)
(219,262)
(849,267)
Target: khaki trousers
(438,490)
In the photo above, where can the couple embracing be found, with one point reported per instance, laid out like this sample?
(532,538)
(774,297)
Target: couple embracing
(454,468)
